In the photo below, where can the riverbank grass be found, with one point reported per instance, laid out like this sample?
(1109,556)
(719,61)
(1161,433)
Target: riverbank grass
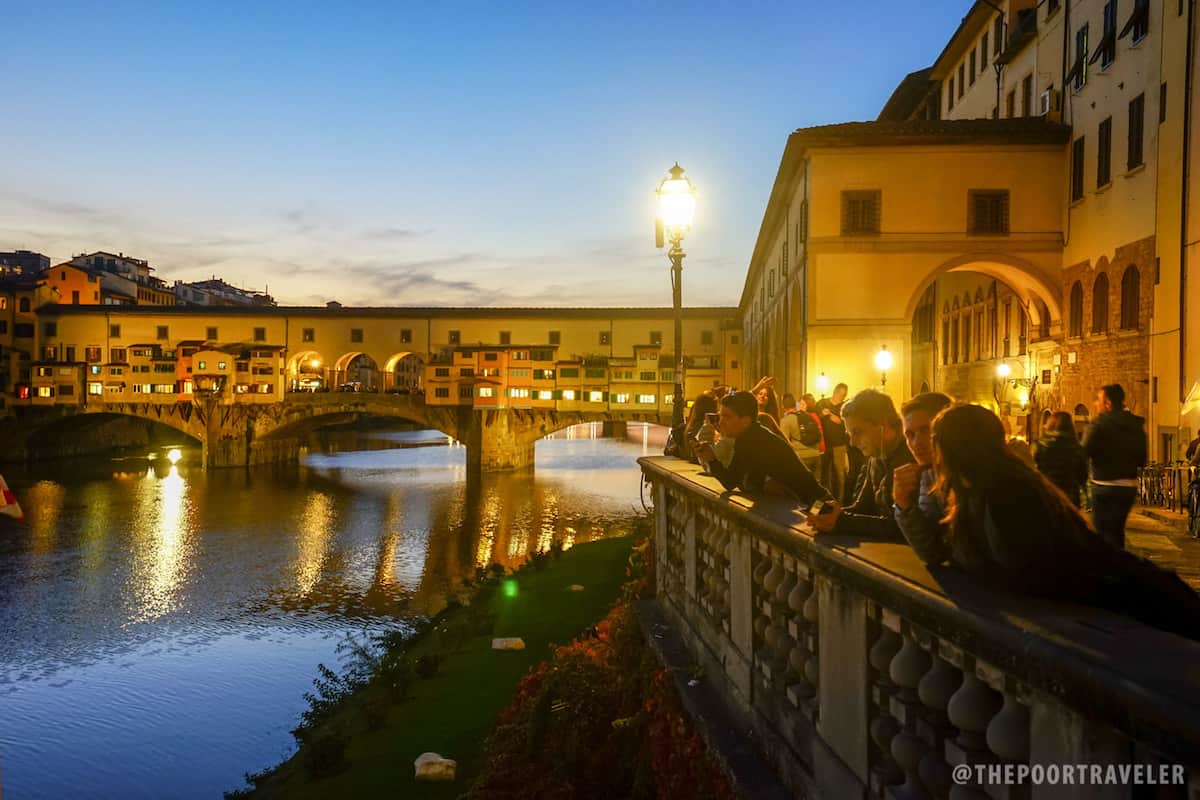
(452,711)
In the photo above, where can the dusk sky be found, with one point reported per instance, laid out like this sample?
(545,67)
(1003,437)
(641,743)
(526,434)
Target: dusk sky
(427,154)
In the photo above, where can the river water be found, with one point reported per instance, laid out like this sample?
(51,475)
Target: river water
(159,625)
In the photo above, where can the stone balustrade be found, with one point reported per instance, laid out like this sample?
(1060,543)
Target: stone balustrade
(857,671)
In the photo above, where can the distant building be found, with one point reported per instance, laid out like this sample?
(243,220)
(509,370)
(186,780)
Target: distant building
(216,292)
(124,278)
(25,261)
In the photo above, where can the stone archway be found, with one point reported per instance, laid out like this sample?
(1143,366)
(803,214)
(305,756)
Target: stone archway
(306,372)
(357,369)
(403,372)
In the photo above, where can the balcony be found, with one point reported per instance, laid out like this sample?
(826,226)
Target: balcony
(857,671)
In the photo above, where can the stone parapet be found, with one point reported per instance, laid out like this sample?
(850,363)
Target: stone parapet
(858,671)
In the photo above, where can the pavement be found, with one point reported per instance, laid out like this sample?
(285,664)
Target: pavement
(1161,536)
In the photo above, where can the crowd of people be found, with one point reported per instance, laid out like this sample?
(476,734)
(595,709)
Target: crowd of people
(947,480)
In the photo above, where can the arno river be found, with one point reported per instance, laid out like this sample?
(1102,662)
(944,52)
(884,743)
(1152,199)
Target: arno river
(159,625)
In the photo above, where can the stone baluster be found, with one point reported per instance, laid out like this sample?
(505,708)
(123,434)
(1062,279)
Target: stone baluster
(800,688)
(970,710)
(1008,733)
(935,690)
(757,593)
(772,661)
(883,726)
(812,611)
(907,669)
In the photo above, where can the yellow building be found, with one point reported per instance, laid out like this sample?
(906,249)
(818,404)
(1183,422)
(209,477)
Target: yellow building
(1013,212)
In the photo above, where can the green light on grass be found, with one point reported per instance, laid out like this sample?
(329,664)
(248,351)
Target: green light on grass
(510,588)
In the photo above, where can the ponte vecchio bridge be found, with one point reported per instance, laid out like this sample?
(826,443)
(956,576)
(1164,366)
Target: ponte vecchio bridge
(247,383)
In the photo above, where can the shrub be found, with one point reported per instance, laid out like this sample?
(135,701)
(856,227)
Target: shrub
(428,664)
(326,754)
(600,719)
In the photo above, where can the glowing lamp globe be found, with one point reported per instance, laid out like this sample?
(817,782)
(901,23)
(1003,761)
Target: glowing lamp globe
(1003,370)
(677,202)
(883,359)
(823,383)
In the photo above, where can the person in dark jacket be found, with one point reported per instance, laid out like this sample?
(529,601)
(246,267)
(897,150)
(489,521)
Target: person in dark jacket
(758,454)
(873,427)
(1060,457)
(802,431)
(918,508)
(1009,526)
(1116,446)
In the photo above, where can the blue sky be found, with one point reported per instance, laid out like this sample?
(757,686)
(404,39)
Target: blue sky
(433,153)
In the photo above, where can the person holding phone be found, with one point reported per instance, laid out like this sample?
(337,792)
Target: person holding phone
(758,454)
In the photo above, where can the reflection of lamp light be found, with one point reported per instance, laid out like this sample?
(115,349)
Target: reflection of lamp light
(173,455)
(883,362)
(823,384)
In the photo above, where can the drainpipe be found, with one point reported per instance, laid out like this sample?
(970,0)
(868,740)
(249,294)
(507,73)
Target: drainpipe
(1183,204)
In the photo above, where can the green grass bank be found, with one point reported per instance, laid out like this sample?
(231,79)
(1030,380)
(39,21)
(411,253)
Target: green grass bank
(452,711)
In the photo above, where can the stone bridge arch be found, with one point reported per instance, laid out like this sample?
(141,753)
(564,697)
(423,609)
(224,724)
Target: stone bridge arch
(77,428)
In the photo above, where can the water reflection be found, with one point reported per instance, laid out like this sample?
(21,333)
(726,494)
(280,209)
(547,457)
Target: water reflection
(161,530)
(159,604)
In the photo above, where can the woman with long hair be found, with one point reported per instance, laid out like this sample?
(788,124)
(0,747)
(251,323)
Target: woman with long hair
(1006,523)
(768,403)
(1060,457)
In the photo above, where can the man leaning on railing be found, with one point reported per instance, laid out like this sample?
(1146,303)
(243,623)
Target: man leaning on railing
(758,454)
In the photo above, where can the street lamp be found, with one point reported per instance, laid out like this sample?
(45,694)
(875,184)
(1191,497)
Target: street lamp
(1004,379)
(883,362)
(676,208)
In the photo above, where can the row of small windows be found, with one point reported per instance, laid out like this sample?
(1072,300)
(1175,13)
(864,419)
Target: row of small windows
(454,337)
(1130,303)
(975,62)
(987,212)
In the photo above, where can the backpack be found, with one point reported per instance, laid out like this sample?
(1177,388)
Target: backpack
(810,432)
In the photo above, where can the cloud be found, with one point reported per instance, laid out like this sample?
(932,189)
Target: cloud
(394,234)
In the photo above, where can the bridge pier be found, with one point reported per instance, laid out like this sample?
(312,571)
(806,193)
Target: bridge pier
(499,440)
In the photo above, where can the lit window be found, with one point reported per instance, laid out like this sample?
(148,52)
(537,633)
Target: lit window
(595,397)
(221,365)
(487,391)
(646,399)
(95,387)
(568,394)
(45,391)
(622,397)
(202,365)
(518,392)
(545,395)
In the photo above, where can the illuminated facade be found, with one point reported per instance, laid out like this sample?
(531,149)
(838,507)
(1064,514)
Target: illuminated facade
(1013,209)
(580,359)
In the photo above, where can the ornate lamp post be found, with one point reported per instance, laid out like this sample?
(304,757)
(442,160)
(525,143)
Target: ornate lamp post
(676,208)
(883,362)
(1004,380)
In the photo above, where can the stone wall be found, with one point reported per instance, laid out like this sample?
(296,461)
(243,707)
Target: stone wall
(1117,356)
